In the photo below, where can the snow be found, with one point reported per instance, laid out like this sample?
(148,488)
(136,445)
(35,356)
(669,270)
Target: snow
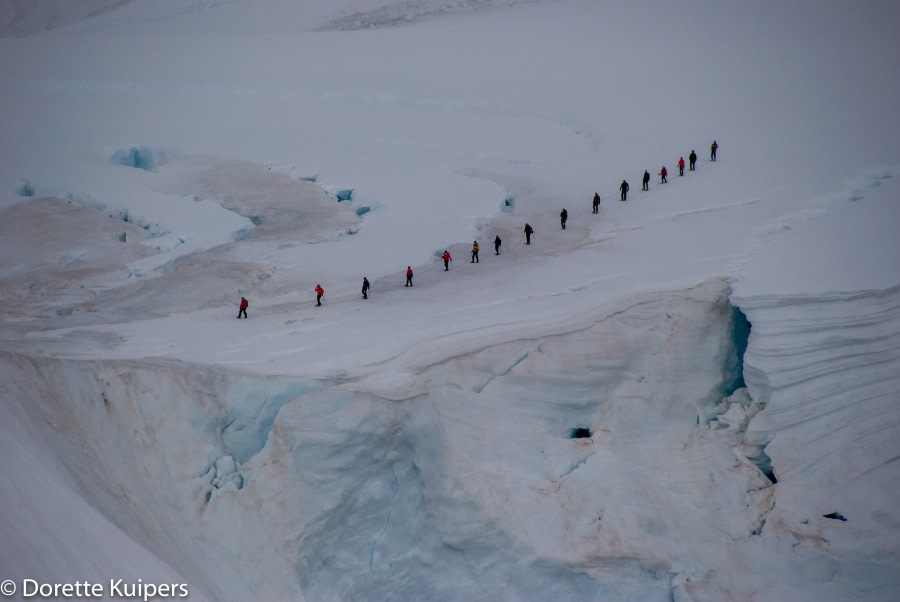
(158,160)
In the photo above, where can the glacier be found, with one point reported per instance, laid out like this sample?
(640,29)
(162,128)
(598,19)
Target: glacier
(355,489)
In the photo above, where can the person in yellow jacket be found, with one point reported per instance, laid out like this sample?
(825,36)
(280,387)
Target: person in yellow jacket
(474,252)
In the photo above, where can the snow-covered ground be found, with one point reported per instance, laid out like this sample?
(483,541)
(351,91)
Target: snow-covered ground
(691,395)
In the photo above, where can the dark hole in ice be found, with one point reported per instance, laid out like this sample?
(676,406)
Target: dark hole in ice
(835,516)
(580,432)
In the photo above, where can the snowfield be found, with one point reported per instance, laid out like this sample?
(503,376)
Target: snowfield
(691,395)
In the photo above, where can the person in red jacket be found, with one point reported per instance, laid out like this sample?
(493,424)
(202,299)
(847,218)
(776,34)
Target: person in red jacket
(662,174)
(409,275)
(320,292)
(447,259)
(243,308)
(681,166)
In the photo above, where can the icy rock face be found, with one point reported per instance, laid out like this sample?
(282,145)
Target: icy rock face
(151,444)
(731,419)
(472,487)
(469,487)
(825,368)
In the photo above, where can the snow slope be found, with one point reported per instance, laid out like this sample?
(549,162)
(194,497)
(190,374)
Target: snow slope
(691,395)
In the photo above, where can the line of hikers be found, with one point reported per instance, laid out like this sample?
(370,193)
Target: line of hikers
(663,175)
(529,231)
(446,257)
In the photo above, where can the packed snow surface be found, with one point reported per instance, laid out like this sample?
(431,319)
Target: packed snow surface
(689,395)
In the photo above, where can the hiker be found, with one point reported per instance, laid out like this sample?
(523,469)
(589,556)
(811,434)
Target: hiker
(409,275)
(563,216)
(645,181)
(497,243)
(475,248)
(681,166)
(528,232)
(624,189)
(662,174)
(596,202)
(365,288)
(447,259)
(712,150)
(692,160)
(243,308)
(320,292)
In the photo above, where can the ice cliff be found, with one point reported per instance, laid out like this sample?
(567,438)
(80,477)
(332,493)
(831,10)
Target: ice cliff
(470,469)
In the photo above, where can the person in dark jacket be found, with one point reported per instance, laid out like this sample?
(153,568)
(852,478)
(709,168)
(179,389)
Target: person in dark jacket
(645,181)
(624,190)
(596,202)
(563,216)
(497,243)
(712,150)
(242,308)
(528,232)
(692,160)
(365,288)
